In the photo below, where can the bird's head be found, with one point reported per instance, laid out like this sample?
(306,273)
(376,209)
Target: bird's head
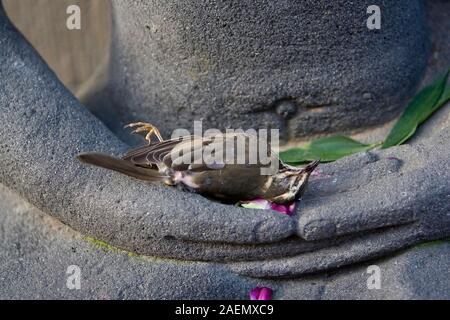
(294,181)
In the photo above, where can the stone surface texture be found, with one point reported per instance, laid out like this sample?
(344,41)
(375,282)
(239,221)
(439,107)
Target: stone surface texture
(231,64)
(36,250)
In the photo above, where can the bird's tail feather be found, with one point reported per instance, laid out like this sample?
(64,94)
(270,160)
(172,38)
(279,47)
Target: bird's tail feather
(122,166)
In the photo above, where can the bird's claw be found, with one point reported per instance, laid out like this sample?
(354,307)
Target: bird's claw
(145,127)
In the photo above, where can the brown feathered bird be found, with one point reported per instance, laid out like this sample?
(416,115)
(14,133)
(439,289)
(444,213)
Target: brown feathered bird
(176,162)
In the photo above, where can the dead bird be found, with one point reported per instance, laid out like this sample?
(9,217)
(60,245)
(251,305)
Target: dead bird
(174,163)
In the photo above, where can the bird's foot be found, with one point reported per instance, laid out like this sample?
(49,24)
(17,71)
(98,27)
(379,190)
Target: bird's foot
(145,127)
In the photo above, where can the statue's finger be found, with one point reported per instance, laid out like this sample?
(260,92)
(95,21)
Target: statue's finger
(363,248)
(390,201)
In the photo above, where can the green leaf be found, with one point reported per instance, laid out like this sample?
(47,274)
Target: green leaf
(255,205)
(327,149)
(336,147)
(296,155)
(445,96)
(423,105)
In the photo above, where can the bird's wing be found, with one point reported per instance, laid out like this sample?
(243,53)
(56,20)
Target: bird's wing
(191,152)
(216,152)
(151,154)
(164,151)
(120,165)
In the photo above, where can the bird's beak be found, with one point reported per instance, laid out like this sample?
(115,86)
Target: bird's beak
(310,167)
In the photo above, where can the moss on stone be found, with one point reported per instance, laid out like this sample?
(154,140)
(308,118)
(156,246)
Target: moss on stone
(433,243)
(108,247)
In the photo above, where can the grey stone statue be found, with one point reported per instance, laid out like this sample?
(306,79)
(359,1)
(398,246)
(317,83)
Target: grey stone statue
(237,63)
(308,68)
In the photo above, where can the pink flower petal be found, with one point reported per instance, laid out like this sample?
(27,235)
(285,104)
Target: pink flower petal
(261,293)
(278,207)
(264,204)
(286,209)
(265,294)
(254,293)
(260,201)
(291,208)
